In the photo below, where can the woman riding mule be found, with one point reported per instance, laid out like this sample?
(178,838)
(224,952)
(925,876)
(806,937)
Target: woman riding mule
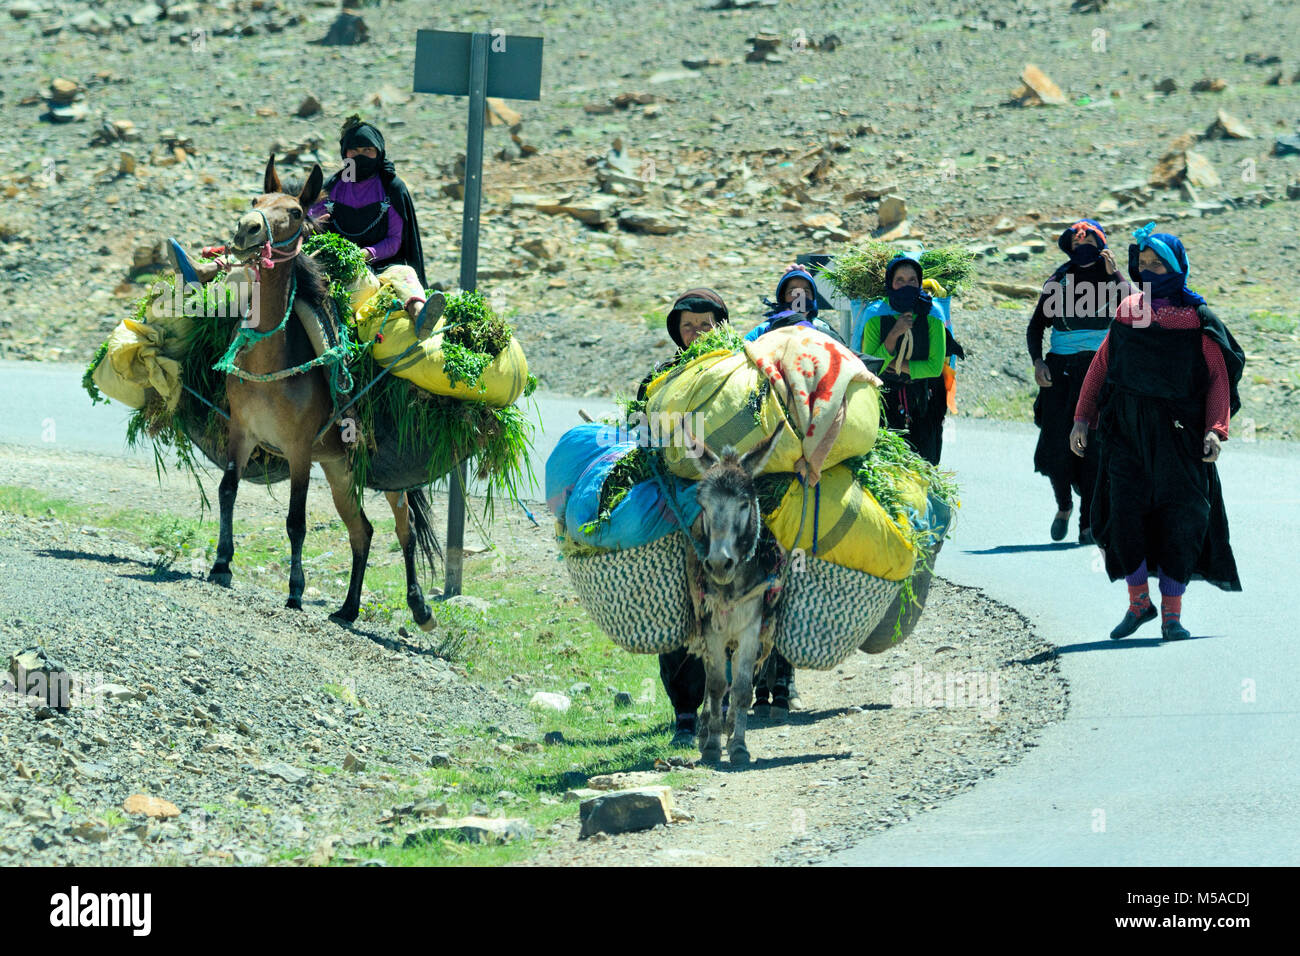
(279,397)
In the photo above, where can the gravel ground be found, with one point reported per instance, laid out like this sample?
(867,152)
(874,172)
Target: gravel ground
(229,717)
(869,752)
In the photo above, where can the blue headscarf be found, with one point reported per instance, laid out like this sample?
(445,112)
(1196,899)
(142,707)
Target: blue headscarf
(1171,252)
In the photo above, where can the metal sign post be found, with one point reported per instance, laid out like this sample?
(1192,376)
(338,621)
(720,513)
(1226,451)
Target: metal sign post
(477,65)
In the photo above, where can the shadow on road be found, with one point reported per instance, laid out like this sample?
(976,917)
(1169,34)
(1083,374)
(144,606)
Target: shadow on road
(1107,643)
(1022,548)
(768,763)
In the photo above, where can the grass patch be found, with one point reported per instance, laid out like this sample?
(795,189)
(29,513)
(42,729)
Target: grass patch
(531,639)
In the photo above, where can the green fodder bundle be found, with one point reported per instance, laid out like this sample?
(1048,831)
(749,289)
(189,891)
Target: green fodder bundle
(859,273)
(632,469)
(342,261)
(440,432)
(425,436)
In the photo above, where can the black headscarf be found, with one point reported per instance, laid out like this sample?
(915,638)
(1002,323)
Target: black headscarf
(357,135)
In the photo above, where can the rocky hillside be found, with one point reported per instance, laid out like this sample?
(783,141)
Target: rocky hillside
(694,146)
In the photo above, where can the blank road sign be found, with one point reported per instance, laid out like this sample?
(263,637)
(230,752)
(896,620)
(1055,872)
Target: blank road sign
(442,65)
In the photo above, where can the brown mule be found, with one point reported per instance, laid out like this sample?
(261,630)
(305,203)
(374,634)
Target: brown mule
(287,413)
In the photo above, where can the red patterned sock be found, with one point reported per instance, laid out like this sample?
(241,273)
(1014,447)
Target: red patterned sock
(1171,608)
(1139,599)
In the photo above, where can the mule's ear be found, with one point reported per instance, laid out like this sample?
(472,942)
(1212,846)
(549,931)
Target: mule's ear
(307,198)
(755,460)
(271,181)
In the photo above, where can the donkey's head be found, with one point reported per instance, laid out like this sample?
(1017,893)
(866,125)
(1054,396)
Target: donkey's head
(276,217)
(729,520)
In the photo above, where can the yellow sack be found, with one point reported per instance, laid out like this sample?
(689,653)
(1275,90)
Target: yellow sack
(134,362)
(853,531)
(383,314)
(717,393)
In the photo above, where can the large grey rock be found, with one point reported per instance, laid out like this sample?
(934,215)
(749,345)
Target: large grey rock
(626,811)
(474,829)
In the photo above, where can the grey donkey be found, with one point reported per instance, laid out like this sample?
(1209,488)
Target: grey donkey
(729,585)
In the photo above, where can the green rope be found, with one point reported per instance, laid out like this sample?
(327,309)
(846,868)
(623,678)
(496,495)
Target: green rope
(246,336)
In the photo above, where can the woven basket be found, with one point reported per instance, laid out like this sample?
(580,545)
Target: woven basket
(827,611)
(638,596)
(882,638)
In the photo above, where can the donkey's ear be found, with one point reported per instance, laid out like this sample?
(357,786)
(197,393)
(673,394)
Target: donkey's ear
(271,181)
(698,452)
(307,198)
(755,460)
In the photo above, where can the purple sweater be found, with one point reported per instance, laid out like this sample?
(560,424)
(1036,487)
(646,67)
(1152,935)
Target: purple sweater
(364,193)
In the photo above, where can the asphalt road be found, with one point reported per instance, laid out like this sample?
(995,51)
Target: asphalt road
(1179,754)
(1170,754)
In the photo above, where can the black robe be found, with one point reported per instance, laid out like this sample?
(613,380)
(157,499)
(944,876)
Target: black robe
(1155,500)
(410,252)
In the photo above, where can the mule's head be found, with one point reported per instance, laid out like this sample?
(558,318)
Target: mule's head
(276,216)
(729,521)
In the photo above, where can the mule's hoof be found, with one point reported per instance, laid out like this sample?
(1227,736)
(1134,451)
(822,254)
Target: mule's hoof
(295,603)
(342,617)
(762,711)
(710,750)
(739,756)
(220,577)
(424,618)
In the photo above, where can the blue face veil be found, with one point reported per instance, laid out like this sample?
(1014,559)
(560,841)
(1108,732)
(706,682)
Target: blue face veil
(1172,285)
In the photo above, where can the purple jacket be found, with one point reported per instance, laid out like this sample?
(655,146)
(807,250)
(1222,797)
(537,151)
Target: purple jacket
(364,193)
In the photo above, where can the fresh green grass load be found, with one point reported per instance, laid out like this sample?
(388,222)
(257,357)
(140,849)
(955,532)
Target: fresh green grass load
(859,273)
(442,431)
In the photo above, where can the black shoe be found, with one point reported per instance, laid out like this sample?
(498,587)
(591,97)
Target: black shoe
(1173,630)
(1132,622)
(685,733)
(1059,527)
(1085,536)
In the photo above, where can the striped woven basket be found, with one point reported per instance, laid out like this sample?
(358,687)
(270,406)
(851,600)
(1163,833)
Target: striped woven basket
(827,611)
(637,596)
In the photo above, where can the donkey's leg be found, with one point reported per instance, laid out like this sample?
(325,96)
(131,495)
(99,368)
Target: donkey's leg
(742,690)
(238,450)
(715,685)
(414,594)
(360,532)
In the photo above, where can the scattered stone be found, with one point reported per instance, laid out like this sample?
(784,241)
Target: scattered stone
(892,211)
(1012,290)
(1167,85)
(309,106)
(655,222)
(1208,85)
(141,805)
(621,781)
(1037,89)
(626,811)
(283,771)
(581,793)
(763,48)
(544,700)
(870,192)
(113,692)
(1003,225)
(821,220)
(149,13)
(546,248)
(1226,126)
(348,29)
(704,63)
(473,829)
(469,601)
(353,764)
(92,831)
(593,210)
(88,21)
(440,759)
(1288,145)
(1200,172)
(622,699)
(553,738)
(22,9)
